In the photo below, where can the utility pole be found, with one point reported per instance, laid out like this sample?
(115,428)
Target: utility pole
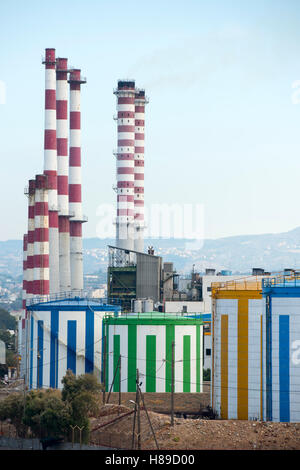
(148,417)
(138,410)
(120,398)
(112,384)
(104,370)
(172,385)
(137,414)
(38,369)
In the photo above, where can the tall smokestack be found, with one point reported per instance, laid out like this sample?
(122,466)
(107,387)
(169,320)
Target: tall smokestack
(30,240)
(62,132)
(24,291)
(75,205)
(139,144)
(50,166)
(125,164)
(21,345)
(41,238)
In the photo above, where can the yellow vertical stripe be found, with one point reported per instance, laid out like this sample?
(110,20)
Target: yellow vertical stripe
(242,379)
(224,366)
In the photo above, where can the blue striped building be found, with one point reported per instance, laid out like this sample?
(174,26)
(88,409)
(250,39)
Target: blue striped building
(281,348)
(64,334)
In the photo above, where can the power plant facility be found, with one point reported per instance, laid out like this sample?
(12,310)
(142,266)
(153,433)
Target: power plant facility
(241,332)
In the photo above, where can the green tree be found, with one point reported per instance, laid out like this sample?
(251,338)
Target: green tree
(206,375)
(12,408)
(46,414)
(7,321)
(82,395)
(11,356)
(51,413)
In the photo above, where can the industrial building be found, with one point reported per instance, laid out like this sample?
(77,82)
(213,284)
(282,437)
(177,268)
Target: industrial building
(144,342)
(133,275)
(256,366)
(62,334)
(281,348)
(236,386)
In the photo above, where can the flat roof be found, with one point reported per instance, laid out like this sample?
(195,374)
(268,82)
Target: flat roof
(75,302)
(155,318)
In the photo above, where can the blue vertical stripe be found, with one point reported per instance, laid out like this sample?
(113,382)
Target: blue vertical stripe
(284,367)
(89,341)
(40,353)
(268,358)
(31,351)
(54,349)
(71,341)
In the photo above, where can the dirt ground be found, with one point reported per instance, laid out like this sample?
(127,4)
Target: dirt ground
(193,433)
(161,402)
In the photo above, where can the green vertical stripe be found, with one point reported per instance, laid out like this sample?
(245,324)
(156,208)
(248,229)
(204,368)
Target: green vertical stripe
(186,363)
(131,383)
(198,355)
(116,362)
(170,336)
(150,363)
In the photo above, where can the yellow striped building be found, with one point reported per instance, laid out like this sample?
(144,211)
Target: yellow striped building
(237,349)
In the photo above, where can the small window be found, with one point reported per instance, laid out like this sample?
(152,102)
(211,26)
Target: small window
(209,289)
(208,352)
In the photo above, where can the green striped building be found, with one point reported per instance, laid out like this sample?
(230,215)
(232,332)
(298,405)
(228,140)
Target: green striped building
(144,342)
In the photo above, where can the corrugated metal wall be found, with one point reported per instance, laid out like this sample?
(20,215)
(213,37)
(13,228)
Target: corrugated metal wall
(148,277)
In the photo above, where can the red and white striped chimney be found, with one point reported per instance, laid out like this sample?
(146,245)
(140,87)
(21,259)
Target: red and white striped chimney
(62,132)
(75,203)
(125,164)
(24,291)
(139,144)
(30,240)
(41,238)
(50,166)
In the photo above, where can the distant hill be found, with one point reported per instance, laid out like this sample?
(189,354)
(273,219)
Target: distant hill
(239,254)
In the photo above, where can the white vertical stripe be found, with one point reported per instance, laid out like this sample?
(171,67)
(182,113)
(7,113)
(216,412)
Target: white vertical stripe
(160,333)
(254,355)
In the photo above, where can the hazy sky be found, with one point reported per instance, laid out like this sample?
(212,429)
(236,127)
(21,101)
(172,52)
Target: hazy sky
(222,124)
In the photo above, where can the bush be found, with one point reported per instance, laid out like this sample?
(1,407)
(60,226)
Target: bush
(51,413)
(12,408)
(7,321)
(46,414)
(82,395)
(206,375)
